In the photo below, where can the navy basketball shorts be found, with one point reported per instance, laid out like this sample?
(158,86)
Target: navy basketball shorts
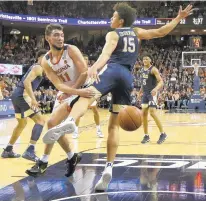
(117,80)
(22,106)
(149,101)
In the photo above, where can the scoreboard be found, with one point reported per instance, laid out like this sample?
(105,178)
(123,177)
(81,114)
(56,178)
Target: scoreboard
(196,21)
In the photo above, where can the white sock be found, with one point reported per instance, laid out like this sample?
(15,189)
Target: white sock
(11,145)
(146,134)
(70,155)
(45,158)
(109,165)
(76,129)
(98,128)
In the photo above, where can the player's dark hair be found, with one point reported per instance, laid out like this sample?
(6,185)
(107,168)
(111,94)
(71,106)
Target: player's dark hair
(147,55)
(51,27)
(41,52)
(126,12)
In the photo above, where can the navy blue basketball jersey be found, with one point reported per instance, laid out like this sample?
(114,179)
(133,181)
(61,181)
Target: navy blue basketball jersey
(127,48)
(148,80)
(35,83)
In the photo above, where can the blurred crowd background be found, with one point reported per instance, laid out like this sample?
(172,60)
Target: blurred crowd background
(165,52)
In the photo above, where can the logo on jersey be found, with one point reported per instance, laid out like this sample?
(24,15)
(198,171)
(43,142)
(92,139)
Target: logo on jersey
(66,64)
(62,69)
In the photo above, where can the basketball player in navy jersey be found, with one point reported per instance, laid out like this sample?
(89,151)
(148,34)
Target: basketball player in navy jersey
(116,61)
(151,83)
(26,105)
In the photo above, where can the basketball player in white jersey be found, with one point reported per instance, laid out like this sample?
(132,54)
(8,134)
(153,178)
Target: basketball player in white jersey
(65,67)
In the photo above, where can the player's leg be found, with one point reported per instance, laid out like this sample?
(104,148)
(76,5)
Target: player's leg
(68,126)
(145,109)
(152,110)
(76,131)
(112,146)
(8,151)
(56,119)
(145,125)
(20,106)
(153,114)
(107,84)
(163,135)
(36,132)
(120,97)
(97,120)
(42,164)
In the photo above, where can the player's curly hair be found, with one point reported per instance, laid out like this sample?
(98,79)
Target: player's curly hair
(126,12)
(51,27)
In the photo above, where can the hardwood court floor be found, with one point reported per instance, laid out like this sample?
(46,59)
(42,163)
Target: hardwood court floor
(186,137)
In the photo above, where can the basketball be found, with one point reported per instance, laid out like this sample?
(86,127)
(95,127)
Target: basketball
(130,118)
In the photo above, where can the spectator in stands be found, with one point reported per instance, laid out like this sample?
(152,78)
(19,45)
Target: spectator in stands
(176,98)
(134,97)
(88,9)
(184,99)
(170,101)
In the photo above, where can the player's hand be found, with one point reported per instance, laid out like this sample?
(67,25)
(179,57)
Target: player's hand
(154,92)
(93,74)
(186,12)
(86,93)
(35,105)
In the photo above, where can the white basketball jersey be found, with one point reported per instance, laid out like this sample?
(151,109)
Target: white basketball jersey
(65,68)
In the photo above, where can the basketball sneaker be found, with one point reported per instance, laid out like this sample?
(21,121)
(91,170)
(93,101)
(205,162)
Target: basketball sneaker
(72,163)
(30,154)
(162,138)
(100,134)
(103,183)
(53,134)
(9,153)
(145,139)
(38,169)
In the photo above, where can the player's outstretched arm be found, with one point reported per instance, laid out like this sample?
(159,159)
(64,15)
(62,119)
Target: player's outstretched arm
(110,45)
(166,29)
(35,72)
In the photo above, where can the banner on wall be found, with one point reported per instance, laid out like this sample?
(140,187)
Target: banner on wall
(11,69)
(69,21)
(6,108)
